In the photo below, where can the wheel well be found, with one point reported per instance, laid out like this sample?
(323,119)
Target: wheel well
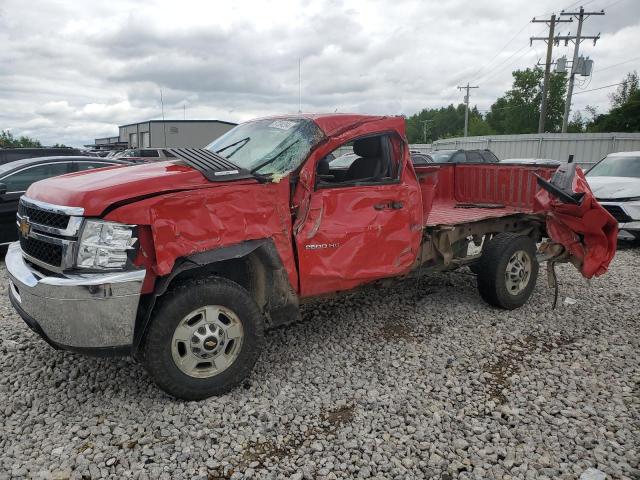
(247,271)
(254,264)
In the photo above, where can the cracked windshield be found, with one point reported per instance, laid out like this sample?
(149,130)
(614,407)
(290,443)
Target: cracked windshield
(270,146)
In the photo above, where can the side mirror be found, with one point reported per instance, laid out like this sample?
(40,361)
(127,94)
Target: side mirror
(3,189)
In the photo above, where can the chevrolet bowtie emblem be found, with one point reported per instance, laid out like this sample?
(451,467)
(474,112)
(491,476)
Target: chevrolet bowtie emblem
(25,226)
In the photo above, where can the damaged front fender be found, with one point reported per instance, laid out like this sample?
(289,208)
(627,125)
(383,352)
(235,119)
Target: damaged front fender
(577,221)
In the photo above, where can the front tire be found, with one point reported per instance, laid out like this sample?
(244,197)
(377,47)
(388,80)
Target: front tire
(507,270)
(204,338)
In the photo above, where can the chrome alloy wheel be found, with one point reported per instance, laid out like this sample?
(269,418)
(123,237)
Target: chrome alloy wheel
(518,272)
(207,341)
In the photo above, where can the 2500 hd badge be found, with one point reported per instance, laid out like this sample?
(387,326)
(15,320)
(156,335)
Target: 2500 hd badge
(321,246)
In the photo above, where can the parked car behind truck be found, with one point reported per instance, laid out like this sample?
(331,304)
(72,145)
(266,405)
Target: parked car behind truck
(139,155)
(12,154)
(615,181)
(184,264)
(16,176)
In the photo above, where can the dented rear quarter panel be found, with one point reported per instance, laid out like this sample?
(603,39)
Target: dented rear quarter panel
(587,231)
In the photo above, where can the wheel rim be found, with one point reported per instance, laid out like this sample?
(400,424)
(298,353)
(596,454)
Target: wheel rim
(518,272)
(207,341)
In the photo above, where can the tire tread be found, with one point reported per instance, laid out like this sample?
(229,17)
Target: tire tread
(490,270)
(180,385)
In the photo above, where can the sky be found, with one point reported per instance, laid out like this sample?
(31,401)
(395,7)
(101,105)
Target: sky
(73,71)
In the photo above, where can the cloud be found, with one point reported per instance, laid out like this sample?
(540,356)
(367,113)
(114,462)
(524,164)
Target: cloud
(71,73)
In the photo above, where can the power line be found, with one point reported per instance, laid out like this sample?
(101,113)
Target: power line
(473,76)
(599,88)
(564,8)
(574,4)
(616,64)
(527,105)
(511,107)
(612,4)
(502,64)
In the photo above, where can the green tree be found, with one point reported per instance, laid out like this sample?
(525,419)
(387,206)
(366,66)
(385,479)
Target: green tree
(577,123)
(7,140)
(443,122)
(555,102)
(625,118)
(518,110)
(478,126)
(625,91)
(624,115)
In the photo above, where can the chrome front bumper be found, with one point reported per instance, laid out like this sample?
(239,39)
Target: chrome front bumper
(80,311)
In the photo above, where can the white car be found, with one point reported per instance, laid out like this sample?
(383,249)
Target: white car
(615,181)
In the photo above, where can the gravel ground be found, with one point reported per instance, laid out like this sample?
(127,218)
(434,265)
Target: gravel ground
(416,380)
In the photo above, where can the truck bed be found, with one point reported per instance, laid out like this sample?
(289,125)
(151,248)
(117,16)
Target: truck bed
(461,193)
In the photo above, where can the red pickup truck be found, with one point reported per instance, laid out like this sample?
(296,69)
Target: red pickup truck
(184,264)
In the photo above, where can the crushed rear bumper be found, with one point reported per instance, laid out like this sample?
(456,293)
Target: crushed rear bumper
(576,220)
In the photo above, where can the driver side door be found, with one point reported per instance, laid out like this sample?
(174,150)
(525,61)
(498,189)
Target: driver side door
(357,232)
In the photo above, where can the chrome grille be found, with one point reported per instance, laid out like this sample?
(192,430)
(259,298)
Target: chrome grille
(48,233)
(43,217)
(49,253)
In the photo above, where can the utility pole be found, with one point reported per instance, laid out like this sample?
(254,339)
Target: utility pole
(424,129)
(466,110)
(581,16)
(545,86)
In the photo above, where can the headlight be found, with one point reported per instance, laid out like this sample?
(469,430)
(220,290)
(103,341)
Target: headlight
(104,244)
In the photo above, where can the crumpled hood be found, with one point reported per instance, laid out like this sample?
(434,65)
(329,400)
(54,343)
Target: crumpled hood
(95,190)
(605,188)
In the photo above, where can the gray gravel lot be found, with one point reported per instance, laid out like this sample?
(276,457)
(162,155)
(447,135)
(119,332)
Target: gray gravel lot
(416,380)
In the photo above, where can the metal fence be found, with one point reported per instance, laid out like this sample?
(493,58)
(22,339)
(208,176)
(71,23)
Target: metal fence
(414,147)
(587,148)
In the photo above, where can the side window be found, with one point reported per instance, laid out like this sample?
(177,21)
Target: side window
(489,157)
(149,153)
(20,181)
(80,166)
(168,154)
(459,157)
(420,159)
(474,157)
(365,160)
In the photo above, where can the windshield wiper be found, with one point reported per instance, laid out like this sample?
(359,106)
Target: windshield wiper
(272,159)
(244,141)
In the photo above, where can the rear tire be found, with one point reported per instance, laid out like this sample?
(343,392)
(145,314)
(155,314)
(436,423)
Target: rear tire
(507,270)
(204,338)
